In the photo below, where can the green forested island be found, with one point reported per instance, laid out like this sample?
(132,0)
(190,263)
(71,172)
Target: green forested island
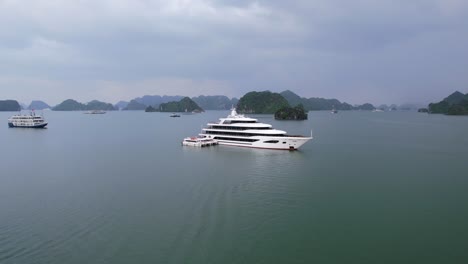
(10,105)
(454,104)
(268,103)
(184,105)
(72,105)
(261,103)
(291,113)
(98,105)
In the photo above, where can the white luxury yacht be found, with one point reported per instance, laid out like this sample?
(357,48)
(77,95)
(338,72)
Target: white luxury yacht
(28,121)
(239,130)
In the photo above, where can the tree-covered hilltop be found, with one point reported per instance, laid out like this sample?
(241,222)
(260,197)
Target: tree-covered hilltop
(316,103)
(72,105)
(98,105)
(38,105)
(69,105)
(261,103)
(10,105)
(291,113)
(215,102)
(454,104)
(134,105)
(184,105)
(121,105)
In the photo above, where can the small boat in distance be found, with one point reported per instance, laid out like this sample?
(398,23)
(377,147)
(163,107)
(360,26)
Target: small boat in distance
(27,121)
(377,110)
(334,111)
(199,142)
(95,112)
(174,115)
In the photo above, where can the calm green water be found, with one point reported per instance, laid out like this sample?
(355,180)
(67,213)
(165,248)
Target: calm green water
(119,188)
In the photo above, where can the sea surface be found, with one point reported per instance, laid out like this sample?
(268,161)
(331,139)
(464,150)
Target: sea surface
(386,187)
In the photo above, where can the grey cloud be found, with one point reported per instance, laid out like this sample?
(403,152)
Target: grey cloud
(379,51)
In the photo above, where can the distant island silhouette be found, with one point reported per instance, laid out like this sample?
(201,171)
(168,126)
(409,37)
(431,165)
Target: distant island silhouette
(9,105)
(72,105)
(255,102)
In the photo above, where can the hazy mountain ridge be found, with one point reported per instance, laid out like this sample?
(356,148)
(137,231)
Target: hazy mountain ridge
(207,102)
(135,105)
(121,105)
(23,106)
(156,100)
(38,105)
(215,102)
(316,103)
(222,102)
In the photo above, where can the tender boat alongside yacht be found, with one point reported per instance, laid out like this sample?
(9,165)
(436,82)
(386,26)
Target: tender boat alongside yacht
(27,121)
(199,142)
(241,131)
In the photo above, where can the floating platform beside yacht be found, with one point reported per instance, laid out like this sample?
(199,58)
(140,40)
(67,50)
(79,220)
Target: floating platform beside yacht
(199,142)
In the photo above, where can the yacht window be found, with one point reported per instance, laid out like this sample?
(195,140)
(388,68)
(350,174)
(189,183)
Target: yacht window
(271,141)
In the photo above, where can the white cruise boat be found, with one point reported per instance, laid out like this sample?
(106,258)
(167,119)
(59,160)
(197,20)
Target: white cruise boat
(241,131)
(28,121)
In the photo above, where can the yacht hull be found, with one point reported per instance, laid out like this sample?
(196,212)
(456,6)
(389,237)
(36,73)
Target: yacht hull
(283,143)
(34,126)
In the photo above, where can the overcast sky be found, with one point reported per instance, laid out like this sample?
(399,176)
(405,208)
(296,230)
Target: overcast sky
(386,51)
